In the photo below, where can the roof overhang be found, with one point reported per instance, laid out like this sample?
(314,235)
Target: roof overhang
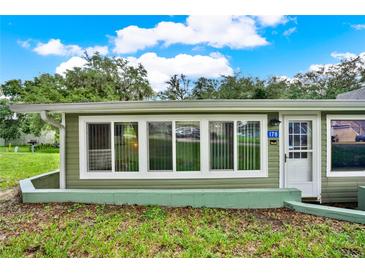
(194,106)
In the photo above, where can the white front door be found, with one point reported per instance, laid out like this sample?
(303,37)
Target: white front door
(300,154)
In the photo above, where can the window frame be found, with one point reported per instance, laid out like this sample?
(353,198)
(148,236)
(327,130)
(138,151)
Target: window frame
(144,173)
(331,173)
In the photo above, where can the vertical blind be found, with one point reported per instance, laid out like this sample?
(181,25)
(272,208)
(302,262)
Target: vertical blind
(187,146)
(160,145)
(99,147)
(126,146)
(248,145)
(221,145)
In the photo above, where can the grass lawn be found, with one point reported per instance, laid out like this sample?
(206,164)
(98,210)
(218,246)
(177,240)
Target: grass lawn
(17,166)
(75,230)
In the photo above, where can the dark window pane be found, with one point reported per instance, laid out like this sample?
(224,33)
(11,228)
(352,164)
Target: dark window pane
(348,145)
(160,145)
(187,146)
(296,155)
(126,146)
(290,140)
(296,127)
(248,142)
(221,145)
(99,147)
(303,140)
(303,128)
(296,141)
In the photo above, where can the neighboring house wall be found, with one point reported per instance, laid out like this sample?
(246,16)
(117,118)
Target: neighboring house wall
(46,137)
(337,189)
(73,177)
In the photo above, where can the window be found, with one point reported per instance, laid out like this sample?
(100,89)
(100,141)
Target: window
(248,145)
(300,139)
(160,145)
(126,146)
(221,145)
(99,147)
(172,146)
(347,145)
(187,146)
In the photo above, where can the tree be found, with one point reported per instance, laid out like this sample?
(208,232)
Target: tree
(178,88)
(107,79)
(205,88)
(239,87)
(9,125)
(101,79)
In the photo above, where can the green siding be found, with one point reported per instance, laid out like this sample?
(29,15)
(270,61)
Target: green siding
(73,178)
(337,189)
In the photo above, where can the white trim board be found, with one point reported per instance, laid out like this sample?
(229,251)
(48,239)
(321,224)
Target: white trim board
(143,172)
(329,172)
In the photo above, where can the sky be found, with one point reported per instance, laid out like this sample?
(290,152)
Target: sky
(197,46)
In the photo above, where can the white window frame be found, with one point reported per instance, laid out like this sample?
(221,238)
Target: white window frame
(331,173)
(144,173)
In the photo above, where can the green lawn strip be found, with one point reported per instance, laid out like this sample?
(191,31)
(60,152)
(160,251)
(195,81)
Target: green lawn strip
(73,230)
(21,165)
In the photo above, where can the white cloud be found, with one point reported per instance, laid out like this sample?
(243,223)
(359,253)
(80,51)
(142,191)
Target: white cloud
(343,55)
(56,47)
(24,43)
(339,56)
(103,50)
(216,31)
(272,20)
(358,26)
(160,69)
(73,62)
(290,31)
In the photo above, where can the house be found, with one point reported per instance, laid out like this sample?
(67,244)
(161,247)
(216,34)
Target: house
(358,94)
(46,137)
(128,150)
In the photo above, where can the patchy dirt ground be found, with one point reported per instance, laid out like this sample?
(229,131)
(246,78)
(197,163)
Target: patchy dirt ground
(78,230)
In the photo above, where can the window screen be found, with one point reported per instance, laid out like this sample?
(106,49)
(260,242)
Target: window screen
(221,145)
(187,146)
(160,145)
(248,145)
(347,145)
(99,147)
(126,146)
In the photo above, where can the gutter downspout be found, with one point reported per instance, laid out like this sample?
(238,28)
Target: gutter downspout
(61,126)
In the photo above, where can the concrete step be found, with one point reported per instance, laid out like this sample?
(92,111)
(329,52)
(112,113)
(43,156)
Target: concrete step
(343,214)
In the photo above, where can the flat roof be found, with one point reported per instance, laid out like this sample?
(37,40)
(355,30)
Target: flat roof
(192,106)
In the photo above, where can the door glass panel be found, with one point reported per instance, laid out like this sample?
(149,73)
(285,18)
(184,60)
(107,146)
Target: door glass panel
(300,137)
